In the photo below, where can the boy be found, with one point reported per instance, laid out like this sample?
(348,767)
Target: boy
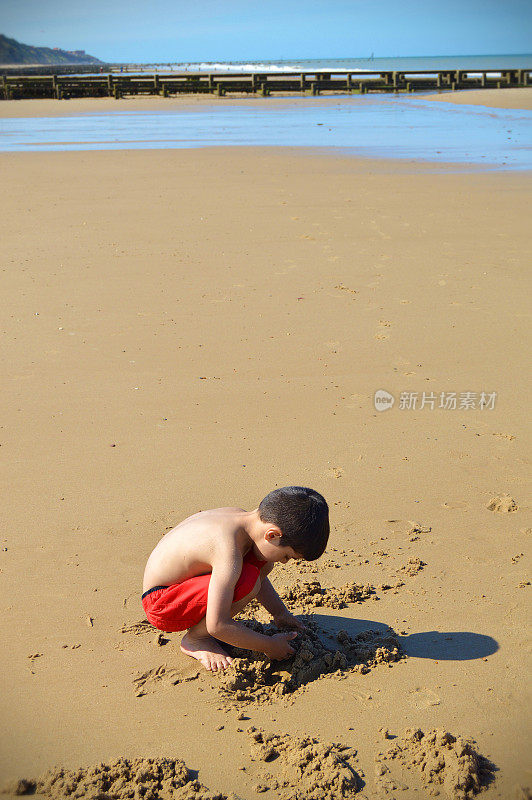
(206,569)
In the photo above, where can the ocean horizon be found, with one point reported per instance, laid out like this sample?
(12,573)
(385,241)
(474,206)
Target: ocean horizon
(369,64)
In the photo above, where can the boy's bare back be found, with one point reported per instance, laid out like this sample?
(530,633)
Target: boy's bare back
(191,547)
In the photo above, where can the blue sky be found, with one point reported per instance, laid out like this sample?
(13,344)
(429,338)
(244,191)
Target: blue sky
(181,30)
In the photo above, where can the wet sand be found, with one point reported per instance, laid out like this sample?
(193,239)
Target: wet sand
(188,329)
(497,98)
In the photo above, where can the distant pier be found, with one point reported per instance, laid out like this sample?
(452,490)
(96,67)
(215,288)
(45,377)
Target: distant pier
(25,85)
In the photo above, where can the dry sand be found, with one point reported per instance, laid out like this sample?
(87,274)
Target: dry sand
(495,98)
(187,329)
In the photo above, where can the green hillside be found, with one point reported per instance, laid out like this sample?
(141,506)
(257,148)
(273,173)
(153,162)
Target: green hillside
(13,52)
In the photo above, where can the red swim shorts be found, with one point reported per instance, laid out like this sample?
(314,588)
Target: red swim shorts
(182,605)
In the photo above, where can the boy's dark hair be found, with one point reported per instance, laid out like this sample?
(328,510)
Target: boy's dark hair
(302,515)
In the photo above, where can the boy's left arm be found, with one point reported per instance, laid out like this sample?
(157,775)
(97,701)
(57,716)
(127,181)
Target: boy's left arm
(271,601)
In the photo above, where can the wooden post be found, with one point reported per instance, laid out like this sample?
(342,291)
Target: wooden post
(264,89)
(110,85)
(220,91)
(302,82)
(117,94)
(362,88)
(314,88)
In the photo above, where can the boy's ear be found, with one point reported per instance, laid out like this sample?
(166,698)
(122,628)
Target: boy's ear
(272,534)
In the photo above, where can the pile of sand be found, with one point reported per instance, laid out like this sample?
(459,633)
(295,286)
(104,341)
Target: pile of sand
(253,677)
(305,769)
(311,594)
(414,566)
(447,764)
(146,778)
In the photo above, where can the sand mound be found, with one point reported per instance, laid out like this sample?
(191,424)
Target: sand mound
(414,566)
(311,594)
(447,764)
(305,769)
(253,677)
(146,778)
(503,504)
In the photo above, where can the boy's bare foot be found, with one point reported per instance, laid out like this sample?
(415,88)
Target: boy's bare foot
(206,650)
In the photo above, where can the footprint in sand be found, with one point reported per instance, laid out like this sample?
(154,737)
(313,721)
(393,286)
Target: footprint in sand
(459,454)
(159,678)
(406,526)
(383,323)
(138,628)
(424,698)
(344,288)
(502,504)
(457,505)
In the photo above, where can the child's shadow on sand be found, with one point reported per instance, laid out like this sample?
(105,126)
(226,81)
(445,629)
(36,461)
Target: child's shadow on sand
(436,645)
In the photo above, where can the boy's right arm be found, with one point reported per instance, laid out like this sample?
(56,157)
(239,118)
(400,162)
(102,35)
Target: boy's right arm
(225,574)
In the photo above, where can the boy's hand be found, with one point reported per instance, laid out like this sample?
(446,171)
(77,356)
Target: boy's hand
(287,620)
(279,646)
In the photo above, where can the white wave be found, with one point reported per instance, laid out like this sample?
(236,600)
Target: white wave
(228,67)
(220,66)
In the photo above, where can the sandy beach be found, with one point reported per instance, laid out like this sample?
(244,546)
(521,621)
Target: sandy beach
(495,98)
(187,329)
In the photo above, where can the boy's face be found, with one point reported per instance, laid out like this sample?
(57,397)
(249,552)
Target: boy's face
(272,549)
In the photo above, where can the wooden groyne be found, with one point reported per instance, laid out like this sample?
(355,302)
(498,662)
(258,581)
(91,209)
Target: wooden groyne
(112,84)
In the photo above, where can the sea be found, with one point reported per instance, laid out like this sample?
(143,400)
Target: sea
(369,64)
